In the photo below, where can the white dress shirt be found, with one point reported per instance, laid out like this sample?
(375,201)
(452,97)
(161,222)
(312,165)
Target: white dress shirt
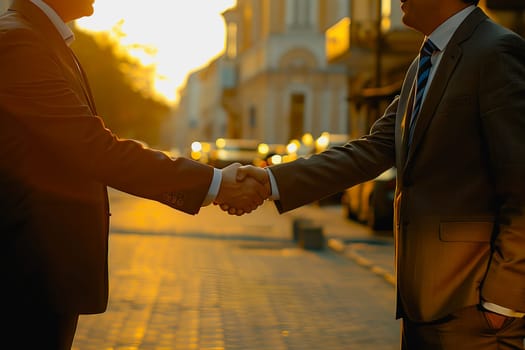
(66,32)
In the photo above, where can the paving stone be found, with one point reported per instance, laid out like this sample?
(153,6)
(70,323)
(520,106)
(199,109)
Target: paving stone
(245,287)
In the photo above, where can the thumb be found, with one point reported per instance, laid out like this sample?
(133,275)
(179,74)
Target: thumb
(259,174)
(242,173)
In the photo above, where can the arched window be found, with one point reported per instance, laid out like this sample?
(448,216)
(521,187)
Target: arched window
(301,14)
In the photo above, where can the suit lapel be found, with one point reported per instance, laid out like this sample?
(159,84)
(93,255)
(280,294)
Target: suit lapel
(48,31)
(449,61)
(406,100)
(82,79)
(435,92)
(38,20)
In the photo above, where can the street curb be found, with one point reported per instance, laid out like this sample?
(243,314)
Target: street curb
(340,247)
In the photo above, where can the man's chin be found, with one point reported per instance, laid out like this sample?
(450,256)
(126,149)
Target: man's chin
(89,11)
(406,20)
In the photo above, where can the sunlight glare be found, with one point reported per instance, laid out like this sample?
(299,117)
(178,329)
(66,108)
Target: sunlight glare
(174,36)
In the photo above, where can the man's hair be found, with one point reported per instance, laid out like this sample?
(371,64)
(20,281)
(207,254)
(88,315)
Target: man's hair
(473,2)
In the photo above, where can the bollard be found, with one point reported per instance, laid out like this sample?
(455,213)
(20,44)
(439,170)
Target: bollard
(296,227)
(311,237)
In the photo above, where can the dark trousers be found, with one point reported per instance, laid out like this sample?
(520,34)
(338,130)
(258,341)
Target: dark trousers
(38,328)
(466,329)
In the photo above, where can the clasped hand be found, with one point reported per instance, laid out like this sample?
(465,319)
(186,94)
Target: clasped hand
(243,189)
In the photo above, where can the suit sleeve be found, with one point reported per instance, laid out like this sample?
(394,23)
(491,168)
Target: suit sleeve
(308,179)
(502,106)
(39,95)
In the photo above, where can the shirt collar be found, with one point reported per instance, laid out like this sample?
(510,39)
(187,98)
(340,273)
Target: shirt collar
(442,34)
(66,32)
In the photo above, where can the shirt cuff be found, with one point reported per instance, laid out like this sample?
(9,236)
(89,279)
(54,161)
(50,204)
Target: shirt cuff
(273,186)
(502,310)
(215,185)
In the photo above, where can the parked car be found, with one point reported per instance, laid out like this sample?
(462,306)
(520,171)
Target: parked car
(372,202)
(228,151)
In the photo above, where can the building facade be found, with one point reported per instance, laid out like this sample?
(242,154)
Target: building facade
(305,66)
(273,82)
(377,49)
(4,4)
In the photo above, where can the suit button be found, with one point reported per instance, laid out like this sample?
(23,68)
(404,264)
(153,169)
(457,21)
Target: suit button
(170,198)
(180,199)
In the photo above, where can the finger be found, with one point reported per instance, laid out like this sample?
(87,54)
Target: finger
(255,192)
(267,190)
(256,202)
(263,191)
(242,173)
(234,165)
(229,172)
(257,173)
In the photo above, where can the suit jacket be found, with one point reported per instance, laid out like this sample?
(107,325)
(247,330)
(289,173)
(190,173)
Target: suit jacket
(56,160)
(459,204)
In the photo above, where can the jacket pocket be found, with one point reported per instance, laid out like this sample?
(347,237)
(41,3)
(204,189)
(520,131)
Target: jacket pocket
(462,231)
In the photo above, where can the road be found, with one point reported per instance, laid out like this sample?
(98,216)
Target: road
(213,281)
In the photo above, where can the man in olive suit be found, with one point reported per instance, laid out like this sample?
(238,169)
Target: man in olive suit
(456,134)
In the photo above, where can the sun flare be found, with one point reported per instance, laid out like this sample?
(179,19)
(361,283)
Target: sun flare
(175,37)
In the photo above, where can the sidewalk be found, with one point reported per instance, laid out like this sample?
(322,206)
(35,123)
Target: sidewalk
(217,282)
(371,250)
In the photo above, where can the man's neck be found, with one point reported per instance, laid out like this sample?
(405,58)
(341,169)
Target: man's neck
(57,21)
(447,11)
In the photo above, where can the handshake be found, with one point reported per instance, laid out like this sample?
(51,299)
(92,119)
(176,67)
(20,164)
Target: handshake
(243,188)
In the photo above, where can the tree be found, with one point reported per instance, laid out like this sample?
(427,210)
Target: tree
(122,88)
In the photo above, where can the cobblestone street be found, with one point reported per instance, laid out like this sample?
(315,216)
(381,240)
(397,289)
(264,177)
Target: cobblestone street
(178,288)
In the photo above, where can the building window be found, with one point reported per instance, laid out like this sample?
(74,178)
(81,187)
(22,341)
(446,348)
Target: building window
(231,42)
(253,117)
(252,122)
(247,28)
(300,14)
(296,126)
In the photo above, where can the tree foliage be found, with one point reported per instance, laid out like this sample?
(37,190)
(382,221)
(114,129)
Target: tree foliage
(122,88)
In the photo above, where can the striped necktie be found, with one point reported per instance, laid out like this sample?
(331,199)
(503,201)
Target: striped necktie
(423,72)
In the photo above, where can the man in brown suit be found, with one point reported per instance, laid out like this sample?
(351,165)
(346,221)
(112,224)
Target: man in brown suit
(56,159)
(460,197)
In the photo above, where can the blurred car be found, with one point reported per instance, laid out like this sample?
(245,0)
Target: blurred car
(270,154)
(372,202)
(200,151)
(301,148)
(327,140)
(228,151)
